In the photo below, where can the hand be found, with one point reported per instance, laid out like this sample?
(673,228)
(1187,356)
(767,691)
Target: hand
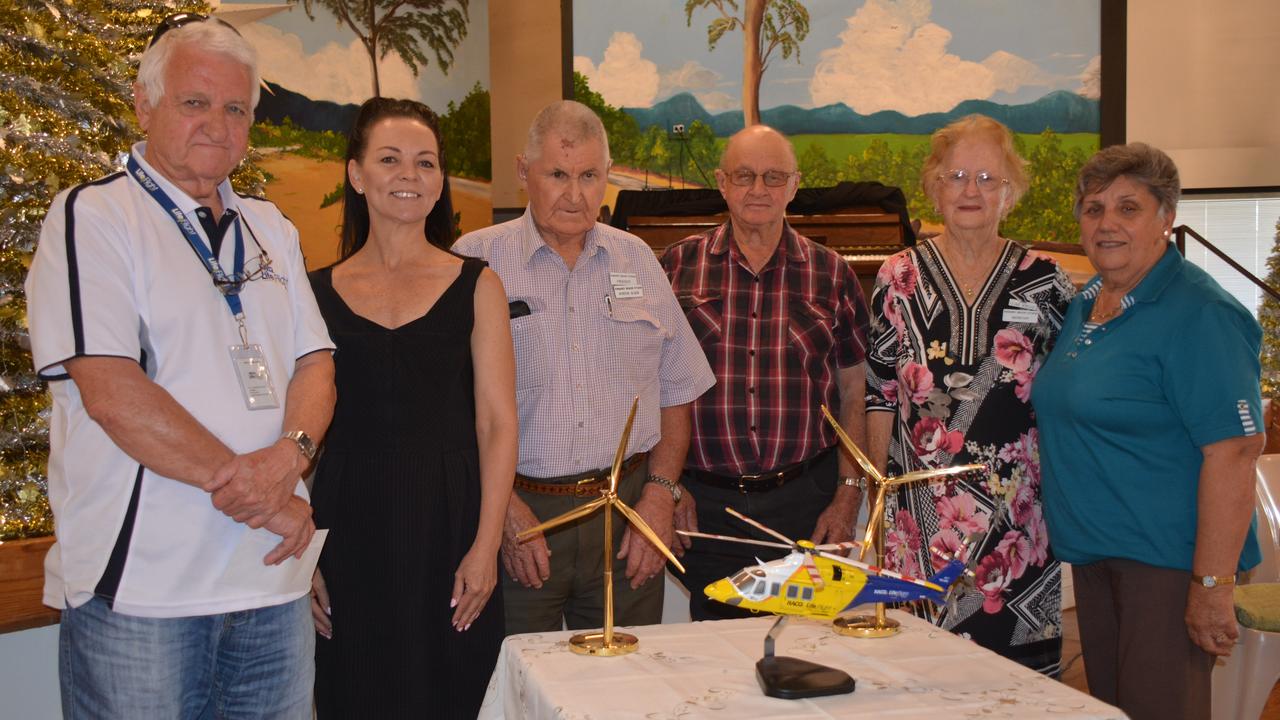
(252,488)
(293,524)
(473,583)
(1211,619)
(686,518)
(527,561)
(321,611)
(656,507)
(835,524)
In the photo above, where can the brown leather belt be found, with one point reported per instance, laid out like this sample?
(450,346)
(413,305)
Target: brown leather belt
(762,482)
(589,483)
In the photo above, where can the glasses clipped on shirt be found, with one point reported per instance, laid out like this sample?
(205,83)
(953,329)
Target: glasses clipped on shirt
(772,178)
(959,179)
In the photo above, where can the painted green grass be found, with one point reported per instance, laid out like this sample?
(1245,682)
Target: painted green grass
(839,147)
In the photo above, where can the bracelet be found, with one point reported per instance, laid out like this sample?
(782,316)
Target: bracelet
(672,487)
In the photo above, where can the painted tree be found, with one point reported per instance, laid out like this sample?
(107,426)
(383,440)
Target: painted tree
(766,25)
(405,26)
(1269,319)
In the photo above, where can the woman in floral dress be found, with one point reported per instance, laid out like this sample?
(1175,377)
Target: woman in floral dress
(960,325)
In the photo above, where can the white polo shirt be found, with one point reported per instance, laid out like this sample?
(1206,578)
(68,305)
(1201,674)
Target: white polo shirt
(114,276)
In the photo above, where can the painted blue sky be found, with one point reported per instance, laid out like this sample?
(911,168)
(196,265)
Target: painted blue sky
(324,61)
(912,56)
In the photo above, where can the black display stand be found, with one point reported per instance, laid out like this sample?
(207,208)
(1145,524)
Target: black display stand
(792,678)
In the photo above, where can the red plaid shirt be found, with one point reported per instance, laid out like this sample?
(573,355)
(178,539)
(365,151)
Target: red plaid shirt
(774,341)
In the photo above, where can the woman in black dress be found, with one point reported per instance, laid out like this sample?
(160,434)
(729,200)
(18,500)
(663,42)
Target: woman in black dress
(418,463)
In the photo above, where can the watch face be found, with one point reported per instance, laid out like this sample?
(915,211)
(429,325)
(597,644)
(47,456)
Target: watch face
(1210,581)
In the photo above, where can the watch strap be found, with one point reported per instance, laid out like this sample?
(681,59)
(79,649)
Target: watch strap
(672,486)
(1211,581)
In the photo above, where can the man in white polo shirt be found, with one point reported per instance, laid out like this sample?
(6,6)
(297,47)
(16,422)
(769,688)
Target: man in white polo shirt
(191,375)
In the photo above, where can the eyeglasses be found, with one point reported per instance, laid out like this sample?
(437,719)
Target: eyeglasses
(959,179)
(257,269)
(772,178)
(177,20)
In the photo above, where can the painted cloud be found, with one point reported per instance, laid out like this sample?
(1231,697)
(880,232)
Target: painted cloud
(890,57)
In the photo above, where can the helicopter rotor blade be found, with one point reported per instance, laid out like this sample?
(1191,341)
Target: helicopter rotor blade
(644,529)
(880,571)
(846,545)
(814,573)
(759,526)
(621,455)
(573,514)
(726,538)
(852,447)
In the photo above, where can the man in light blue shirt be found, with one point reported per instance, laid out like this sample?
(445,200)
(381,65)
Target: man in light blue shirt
(595,324)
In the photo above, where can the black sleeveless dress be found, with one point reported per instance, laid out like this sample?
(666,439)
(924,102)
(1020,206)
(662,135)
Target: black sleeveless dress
(398,487)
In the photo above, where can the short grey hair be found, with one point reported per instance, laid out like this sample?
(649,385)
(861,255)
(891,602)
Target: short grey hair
(572,120)
(1141,163)
(211,36)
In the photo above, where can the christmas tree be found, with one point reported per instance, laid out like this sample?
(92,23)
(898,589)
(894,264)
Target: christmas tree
(1269,318)
(66,117)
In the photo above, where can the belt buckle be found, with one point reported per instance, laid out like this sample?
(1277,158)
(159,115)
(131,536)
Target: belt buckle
(579,489)
(743,481)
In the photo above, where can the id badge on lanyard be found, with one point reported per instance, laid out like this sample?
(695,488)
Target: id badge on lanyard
(248,361)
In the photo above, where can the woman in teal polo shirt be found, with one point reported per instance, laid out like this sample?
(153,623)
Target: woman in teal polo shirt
(1150,426)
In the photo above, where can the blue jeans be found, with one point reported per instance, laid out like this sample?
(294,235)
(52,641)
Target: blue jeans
(247,664)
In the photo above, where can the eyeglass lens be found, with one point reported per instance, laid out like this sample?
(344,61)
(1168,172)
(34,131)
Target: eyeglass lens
(747,178)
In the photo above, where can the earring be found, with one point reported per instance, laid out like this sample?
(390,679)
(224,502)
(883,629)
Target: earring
(359,191)
(1166,233)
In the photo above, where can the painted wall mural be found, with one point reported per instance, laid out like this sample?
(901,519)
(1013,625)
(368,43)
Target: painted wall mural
(322,58)
(859,87)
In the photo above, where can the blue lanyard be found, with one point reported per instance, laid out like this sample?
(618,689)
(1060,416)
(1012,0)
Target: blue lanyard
(229,287)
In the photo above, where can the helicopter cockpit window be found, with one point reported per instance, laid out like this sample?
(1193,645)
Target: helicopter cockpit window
(749,582)
(774,589)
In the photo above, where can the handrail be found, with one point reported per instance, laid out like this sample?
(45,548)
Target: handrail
(1179,235)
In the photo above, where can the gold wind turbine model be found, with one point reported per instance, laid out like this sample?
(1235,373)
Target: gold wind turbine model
(607,642)
(872,626)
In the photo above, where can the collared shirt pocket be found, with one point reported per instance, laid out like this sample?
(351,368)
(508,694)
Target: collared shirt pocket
(530,334)
(705,316)
(636,336)
(811,330)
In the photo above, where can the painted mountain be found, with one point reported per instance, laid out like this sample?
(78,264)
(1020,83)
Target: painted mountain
(308,114)
(1063,111)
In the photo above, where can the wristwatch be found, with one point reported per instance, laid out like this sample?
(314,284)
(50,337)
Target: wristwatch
(858,482)
(1212,581)
(304,442)
(672,487)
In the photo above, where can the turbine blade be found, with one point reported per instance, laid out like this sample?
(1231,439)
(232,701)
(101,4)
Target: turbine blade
(622,447)
(727,538)
(933,474)
(639,524)
(873,521)
(573,514)
(852,447)
(761,527)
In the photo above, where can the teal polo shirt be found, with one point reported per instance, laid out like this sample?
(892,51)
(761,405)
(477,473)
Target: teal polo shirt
(1123,409)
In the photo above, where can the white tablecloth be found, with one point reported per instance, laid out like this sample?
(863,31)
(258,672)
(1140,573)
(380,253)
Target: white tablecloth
(707,670)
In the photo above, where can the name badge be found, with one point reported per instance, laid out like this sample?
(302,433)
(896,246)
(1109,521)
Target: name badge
(1018,302)
(621,279)
(627,291)
(1021,315)
(255,379)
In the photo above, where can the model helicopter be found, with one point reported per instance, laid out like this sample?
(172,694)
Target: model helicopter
(814,581)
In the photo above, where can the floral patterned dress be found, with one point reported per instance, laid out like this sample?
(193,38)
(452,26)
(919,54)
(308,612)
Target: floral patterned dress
(957,378)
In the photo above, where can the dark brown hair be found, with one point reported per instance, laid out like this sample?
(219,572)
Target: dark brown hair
(355,208)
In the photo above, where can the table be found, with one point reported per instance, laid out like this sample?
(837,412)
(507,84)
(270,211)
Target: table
(707,670)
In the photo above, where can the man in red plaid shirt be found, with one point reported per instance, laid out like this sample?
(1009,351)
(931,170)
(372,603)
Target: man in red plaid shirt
(783,324)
